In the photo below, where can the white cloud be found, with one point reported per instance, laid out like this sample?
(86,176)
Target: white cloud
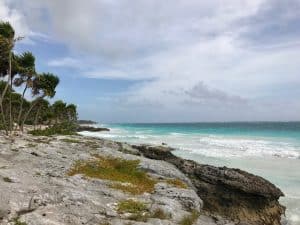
(15,17)
(240,50)
(65,62)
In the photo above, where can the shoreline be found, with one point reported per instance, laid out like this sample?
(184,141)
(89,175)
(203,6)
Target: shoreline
(241,188)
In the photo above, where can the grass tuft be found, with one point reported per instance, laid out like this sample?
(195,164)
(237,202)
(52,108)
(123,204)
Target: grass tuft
(18,222)
(131,206)
(190,219)
(126,172)
(138,210)
(177,183)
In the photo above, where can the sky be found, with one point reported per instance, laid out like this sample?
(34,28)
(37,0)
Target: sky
(167,61)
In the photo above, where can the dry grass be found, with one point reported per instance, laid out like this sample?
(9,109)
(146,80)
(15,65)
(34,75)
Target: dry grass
(126,172)
(131,206)
(177,183)
(138,210)
(190,219)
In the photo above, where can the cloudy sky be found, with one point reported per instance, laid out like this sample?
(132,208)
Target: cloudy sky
(167,61)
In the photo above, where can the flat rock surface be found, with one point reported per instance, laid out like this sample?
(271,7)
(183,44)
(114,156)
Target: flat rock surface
(35,187)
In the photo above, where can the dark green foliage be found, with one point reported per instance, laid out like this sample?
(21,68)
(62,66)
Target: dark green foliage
(19,70)
(6,30)
(65,128)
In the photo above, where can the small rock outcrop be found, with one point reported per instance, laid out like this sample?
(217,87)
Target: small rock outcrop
(231,193)
(91,129)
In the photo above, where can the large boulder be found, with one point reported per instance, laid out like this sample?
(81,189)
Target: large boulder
(231,193)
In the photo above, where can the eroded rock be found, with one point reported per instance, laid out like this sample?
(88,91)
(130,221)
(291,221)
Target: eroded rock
(232,193)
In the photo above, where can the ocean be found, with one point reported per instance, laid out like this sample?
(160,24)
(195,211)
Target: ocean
(268,149)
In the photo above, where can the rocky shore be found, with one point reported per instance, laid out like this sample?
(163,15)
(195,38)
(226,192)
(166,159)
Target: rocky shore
(37,187)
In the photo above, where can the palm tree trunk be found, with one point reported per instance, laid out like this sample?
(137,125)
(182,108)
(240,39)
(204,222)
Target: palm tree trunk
(3,118)
(28,112)
(36,117)
(21,106)
(1,106)
(10,106)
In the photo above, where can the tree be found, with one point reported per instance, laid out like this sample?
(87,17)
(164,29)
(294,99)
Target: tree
(26,73)
(7,40)
(7,43)
(71,110)
(42,112)
(43,85)
(59,108)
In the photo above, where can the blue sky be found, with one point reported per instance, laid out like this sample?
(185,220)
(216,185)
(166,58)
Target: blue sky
(156,61)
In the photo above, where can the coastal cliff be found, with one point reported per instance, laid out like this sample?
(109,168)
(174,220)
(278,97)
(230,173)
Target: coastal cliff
(232,193)
(79,180)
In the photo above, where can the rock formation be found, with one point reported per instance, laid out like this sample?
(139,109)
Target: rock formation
(231,193)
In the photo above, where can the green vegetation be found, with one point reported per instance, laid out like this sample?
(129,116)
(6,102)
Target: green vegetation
(190,219)
(64,128)
(18,222)
(131,206)
(176,183)
(125,172)
(138,210)
(18,72)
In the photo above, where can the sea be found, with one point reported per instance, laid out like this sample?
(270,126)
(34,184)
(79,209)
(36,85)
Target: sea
(267,149)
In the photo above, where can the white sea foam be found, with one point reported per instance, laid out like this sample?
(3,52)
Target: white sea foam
(208,145)
(268,157)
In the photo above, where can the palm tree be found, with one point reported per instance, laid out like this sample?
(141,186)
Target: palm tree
(7,43)
(42,111)
(7,40)
(44,85)
(26,73)
(59,108)
(71,111)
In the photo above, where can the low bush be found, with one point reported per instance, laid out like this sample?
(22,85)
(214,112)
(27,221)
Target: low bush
(65,128)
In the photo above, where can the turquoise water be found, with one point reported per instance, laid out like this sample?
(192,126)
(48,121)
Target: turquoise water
(268,149)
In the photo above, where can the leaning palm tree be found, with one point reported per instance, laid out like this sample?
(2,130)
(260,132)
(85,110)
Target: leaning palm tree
(44,85)
(26,74)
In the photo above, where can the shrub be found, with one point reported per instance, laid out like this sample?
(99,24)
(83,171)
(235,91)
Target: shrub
(65,128)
